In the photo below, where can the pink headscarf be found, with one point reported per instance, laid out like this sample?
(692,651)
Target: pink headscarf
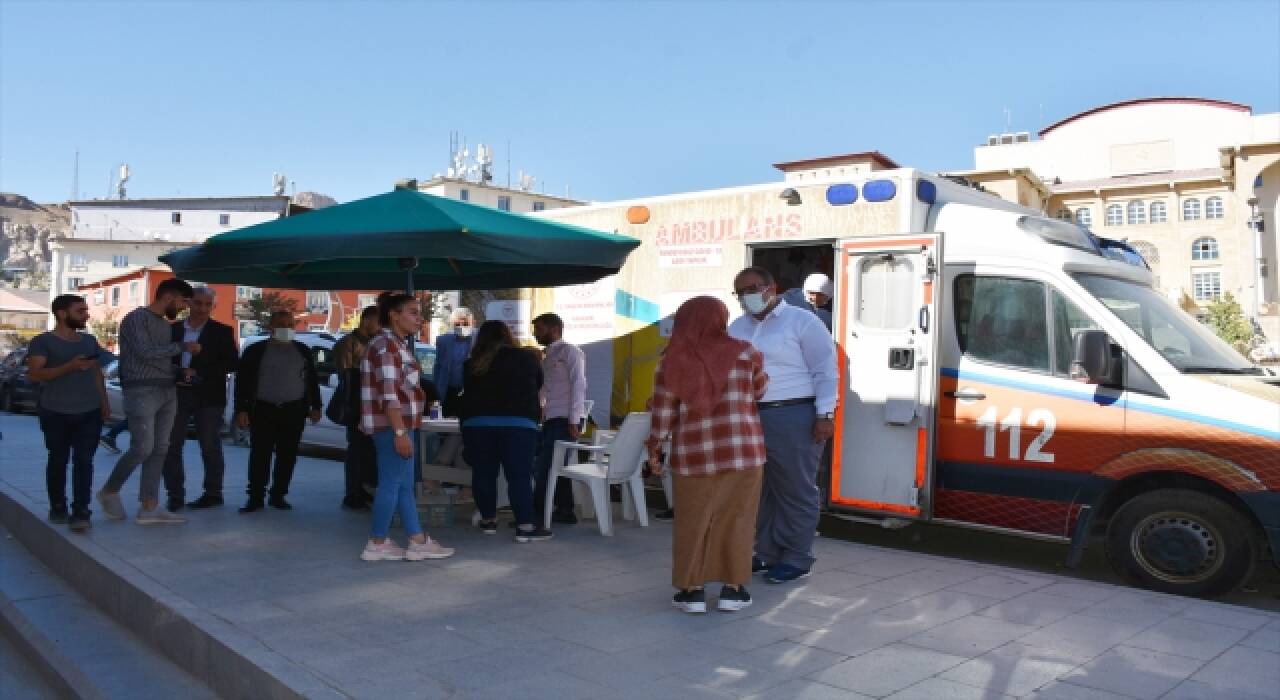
(700,355)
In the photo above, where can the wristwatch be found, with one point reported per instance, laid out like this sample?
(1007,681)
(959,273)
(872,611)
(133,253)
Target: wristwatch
(827,416)
(402,432)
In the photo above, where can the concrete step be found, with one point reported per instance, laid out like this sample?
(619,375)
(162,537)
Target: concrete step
(70,647)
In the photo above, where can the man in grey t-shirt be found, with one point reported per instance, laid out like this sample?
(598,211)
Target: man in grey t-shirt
(73,404)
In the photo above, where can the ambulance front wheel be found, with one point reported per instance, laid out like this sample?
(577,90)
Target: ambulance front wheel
(1181,541)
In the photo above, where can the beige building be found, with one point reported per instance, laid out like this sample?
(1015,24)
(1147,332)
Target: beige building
(1191,183)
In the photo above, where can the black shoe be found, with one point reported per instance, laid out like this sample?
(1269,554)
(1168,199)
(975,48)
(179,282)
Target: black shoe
(785,573)
(206,501)
(279,503)
(174,505)
(252,506)
(537,534)
(564,517)
(691,601)
(759,565)
(80,521)
(489,527)
(668,514)
(733,599)
(58,515)
(359,506)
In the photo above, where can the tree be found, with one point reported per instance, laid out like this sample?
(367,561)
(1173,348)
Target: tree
(1227,319)
(106,329)
(259,310)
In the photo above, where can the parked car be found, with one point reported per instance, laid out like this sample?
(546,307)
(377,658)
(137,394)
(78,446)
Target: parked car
(16,391)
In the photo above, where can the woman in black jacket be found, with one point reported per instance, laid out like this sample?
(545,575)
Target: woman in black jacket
(500,413)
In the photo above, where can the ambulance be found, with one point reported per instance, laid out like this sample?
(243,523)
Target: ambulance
(1001,370)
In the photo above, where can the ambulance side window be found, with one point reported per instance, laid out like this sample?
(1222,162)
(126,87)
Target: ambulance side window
(1002,320)
(1068,320)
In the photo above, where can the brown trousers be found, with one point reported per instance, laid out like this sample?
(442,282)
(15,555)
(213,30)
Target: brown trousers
(714,529)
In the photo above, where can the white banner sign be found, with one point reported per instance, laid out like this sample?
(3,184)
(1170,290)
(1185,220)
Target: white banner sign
(587,311)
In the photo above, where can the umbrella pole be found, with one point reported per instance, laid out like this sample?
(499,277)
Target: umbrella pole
(409,265)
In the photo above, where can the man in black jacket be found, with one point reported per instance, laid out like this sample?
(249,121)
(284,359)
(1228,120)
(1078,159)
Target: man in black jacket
(276,389)
(202,394)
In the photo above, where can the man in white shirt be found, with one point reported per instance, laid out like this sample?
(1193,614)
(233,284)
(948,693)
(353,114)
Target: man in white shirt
(797,414)
(564,394)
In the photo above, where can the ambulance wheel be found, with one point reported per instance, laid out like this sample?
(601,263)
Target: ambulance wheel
(1181,541)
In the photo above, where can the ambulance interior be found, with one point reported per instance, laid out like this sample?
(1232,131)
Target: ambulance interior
(790,265)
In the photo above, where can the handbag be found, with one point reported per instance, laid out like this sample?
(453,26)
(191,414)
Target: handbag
(344,408)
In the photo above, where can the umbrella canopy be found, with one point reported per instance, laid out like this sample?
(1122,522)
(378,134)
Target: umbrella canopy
(377,242)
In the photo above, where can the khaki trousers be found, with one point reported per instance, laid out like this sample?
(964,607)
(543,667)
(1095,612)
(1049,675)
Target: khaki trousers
(714,528)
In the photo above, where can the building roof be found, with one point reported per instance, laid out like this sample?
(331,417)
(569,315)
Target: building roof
(873,156)
(1203,101)
(433,182)
(26,300)
(169,202)
(1164,178)
(135,273)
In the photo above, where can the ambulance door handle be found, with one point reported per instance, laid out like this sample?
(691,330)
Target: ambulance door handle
(966,395)
(924,319)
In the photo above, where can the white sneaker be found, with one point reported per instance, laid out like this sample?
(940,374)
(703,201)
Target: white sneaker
(387,551)
(112,507)
(430,549)
(159,516)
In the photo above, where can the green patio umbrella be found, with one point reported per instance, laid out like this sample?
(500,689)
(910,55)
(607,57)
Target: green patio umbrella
(404,239)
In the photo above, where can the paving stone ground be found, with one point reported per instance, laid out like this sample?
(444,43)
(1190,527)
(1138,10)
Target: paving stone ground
(585,616)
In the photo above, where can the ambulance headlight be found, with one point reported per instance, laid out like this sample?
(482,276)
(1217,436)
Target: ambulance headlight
(1060,232)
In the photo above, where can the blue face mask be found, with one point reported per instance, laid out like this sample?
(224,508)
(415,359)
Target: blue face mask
(753,303)
(463,331)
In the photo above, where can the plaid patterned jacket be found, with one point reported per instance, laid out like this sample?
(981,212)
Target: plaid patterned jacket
(730,439)
(389,377)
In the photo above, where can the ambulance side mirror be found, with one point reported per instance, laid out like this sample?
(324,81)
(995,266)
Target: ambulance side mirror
(1096,361)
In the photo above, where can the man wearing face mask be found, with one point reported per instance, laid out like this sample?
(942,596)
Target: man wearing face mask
(452,350)
(276,391)
(797,416)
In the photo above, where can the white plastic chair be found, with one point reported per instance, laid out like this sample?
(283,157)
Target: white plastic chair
(615,462)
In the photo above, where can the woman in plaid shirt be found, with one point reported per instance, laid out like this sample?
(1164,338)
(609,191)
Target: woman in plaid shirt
(704,400)
(391,401)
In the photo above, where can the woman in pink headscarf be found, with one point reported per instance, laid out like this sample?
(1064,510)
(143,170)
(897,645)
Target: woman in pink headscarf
(704,400)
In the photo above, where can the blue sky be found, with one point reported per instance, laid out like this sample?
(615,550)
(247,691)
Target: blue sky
(612,99)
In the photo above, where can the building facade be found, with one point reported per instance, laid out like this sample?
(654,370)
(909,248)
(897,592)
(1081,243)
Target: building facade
(487,195)
(1191,183)
(109,237)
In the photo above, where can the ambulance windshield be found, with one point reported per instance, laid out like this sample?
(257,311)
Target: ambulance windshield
(1185,342)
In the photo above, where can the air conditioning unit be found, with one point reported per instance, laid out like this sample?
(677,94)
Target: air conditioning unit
(1022,137)
(993,140)
(1006,139)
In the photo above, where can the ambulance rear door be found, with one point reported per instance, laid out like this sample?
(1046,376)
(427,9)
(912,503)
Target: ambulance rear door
(886,330)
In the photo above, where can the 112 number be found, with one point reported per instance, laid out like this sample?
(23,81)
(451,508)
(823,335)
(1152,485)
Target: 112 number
(1012,424)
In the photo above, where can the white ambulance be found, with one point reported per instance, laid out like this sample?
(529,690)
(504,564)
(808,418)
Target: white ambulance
(1002,370)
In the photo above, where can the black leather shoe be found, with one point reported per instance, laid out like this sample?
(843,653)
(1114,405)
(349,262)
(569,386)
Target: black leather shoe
(206,501)
(254,505)
(359,506)
(279,503)
(174,505)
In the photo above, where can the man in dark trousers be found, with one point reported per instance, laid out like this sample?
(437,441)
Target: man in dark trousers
(361,464)
(202,395)
(276,390)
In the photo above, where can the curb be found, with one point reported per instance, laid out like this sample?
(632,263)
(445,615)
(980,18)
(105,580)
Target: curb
(54,667)
(230,663)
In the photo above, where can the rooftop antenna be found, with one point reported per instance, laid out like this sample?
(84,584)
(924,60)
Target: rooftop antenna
(484,163)
(75,177)
(1008,120)
(124,177)
(525,181)
(277,183)
(508,163)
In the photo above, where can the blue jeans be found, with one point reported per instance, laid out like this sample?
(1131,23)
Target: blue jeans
(395,486)
(74,436)
(509,449)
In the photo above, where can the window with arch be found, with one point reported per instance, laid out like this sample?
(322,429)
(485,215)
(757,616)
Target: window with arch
(1190,210)
(1115,215)
(1159,213)
(1148,251)
(1084,216)
(1204,249)
(1137,212)
(1064,214)
(1213,208)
